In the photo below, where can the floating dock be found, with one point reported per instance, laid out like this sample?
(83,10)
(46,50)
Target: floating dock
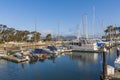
(116,76)
(12,58)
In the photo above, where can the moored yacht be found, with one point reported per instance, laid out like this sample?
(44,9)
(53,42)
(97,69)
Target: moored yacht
(84,45)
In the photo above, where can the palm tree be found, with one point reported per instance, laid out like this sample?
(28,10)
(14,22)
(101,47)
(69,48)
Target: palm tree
(112,32)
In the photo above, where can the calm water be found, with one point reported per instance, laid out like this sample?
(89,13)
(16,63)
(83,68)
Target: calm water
(78,66)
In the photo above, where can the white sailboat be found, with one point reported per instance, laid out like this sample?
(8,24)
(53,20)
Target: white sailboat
(84,44)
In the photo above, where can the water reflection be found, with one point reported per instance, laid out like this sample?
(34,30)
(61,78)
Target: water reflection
(85,57)
(79,66)
(3,63)
(22,65)
(52,58)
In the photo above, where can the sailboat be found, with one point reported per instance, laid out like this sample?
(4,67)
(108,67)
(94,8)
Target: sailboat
(84,44)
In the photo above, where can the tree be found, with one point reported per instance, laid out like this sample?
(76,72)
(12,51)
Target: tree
(35,36)
(48,37)
(11,34)
(111,32)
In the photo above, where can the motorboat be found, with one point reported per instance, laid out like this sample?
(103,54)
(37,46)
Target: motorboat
(50,49)
(40,53)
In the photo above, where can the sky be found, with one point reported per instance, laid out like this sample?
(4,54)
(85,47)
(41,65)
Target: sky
(63,16)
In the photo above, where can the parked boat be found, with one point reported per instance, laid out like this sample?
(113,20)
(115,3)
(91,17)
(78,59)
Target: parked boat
(22,55)
(62,49)
(117,63)
(117,60)
(40,53)
(18,55)
(50,49)
(101,42)
(84,45)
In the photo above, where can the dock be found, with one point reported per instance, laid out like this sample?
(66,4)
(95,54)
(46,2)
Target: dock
(12,58)
(116,76)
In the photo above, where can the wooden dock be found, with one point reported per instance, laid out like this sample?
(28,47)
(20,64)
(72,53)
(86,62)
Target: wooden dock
(12,58)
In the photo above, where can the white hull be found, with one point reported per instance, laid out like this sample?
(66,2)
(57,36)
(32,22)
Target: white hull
(117,63)
(85,47)
(49,51)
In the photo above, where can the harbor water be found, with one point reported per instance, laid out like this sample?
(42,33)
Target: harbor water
(75,66)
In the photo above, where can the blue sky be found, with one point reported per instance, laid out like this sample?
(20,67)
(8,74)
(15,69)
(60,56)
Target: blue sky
(21,14)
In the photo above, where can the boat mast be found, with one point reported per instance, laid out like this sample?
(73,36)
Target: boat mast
(84,20)
(35,33)
(93,22)
(83,26)
(86,26)
(58,31)
(102,29)
(78,32)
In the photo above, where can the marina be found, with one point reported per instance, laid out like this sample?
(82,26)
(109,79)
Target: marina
(87,64)
(59,40)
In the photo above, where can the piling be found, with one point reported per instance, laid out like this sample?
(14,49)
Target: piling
(104,76)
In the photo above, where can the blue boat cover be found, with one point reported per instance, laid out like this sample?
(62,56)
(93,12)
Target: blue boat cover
(39,51)
(100,44)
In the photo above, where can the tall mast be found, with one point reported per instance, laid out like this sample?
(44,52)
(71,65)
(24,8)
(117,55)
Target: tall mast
(84,21)
(102,29)
(58,30)
(93,22)
(35,34)
(78,32)
(86,35)
(83,26)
